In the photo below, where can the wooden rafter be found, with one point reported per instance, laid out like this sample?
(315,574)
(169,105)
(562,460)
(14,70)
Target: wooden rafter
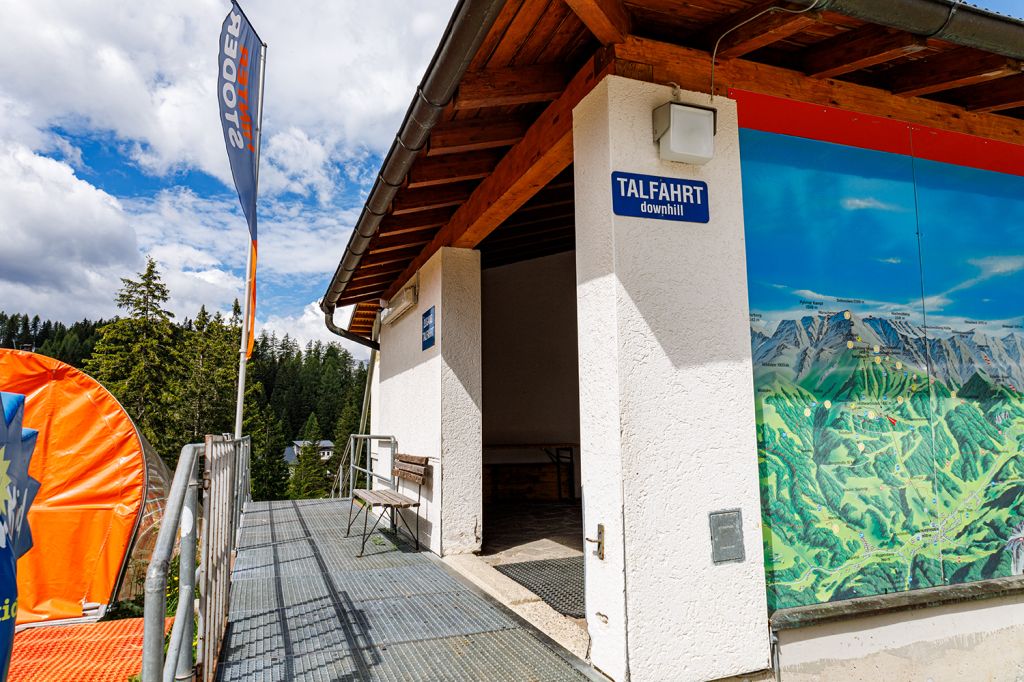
(1007,93)
(389,257)
(401,241)
(953,69)
(476,134)
(368,283)
(691,68)
(540,156)
(608,20)
(427,198)
(414,222)
(858,49)
(509,86)
(758,26)
(378,271)
(442,170)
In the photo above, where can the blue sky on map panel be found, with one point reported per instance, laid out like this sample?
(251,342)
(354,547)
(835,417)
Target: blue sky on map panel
(826,221)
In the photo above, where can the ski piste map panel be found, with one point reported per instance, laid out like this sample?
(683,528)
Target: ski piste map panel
(888,348)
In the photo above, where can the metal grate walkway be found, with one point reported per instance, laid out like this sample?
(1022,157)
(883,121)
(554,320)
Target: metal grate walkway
(304,607)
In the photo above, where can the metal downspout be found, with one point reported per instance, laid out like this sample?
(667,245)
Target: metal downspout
(468,26)
(346,334)
(951,20)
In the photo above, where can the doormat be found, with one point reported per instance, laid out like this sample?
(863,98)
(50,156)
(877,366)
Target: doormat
(559,582)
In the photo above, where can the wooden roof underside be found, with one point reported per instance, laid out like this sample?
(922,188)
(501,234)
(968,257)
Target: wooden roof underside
(496,173)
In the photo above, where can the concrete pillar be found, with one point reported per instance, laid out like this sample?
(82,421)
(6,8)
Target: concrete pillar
(666,404)
(429,399)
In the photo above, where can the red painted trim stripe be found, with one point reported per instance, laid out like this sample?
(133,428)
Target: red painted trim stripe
(967,150)
(829,124)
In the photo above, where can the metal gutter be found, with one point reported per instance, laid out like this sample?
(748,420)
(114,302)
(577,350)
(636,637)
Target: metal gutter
(466,30)
(950,20)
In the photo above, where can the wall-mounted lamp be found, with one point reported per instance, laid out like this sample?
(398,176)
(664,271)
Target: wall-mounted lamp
(685,132)
(404,301)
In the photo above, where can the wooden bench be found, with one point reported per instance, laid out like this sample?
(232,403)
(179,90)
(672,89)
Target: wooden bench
(411,468)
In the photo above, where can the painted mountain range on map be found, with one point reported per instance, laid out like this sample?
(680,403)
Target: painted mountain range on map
(955,356)
(878,476)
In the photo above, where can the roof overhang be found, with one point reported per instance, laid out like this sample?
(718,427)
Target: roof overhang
(491,125)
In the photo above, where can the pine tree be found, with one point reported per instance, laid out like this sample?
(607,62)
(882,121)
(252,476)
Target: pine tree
(203,400)
(347,424)
(11,331)
(310,476)
(269,471)
(136,358)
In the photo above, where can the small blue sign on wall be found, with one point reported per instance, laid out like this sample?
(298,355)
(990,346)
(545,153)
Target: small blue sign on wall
(651,196)
(428,328)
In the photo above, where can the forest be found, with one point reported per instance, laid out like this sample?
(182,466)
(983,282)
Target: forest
(178,381)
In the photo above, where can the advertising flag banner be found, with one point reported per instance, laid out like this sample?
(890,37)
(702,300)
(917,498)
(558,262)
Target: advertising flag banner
(240,95)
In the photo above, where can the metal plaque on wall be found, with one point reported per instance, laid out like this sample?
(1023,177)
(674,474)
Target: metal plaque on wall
(726,536)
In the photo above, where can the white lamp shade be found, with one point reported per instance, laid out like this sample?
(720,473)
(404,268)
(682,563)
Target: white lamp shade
(685,133)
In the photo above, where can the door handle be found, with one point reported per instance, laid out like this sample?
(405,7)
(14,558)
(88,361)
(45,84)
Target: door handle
(599,541)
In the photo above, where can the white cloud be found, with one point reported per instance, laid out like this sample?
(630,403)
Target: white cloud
(993,266)
(339,77)
(309,326)
(65,243)
(890,261)
(869,203)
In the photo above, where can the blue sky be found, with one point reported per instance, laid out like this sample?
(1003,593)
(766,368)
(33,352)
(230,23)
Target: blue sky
(826,221)
(1012,8)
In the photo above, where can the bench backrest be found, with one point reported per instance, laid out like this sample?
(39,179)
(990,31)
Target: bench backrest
(412,468)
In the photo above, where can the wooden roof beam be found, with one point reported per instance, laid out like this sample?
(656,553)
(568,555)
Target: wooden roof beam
(543,153)
(402,241)
(457,137)
(1000,95)
(377,271)
(390,257)
(442,170)
(608,20)
(954,69)
(428,198)
(364,297)
(509,86)
(369,283)
(858,49)
(756,27)
(690,68)
(414,222)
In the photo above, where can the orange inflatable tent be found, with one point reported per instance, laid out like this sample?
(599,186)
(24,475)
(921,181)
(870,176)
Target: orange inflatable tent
(102,490)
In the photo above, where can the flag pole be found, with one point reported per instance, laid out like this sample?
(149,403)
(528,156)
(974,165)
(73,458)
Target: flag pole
(243,351)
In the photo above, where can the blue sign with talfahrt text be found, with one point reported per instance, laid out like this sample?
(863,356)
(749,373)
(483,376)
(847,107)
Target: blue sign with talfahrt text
(650,196)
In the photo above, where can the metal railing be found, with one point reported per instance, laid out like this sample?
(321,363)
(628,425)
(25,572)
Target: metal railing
(359,445)
(225,483)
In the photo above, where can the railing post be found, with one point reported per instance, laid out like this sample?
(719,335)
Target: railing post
(187,578)
(352,452)
(156,574)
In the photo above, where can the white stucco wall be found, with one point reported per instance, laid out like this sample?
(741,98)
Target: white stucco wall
(666,402)
(430,399)
(459,335)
